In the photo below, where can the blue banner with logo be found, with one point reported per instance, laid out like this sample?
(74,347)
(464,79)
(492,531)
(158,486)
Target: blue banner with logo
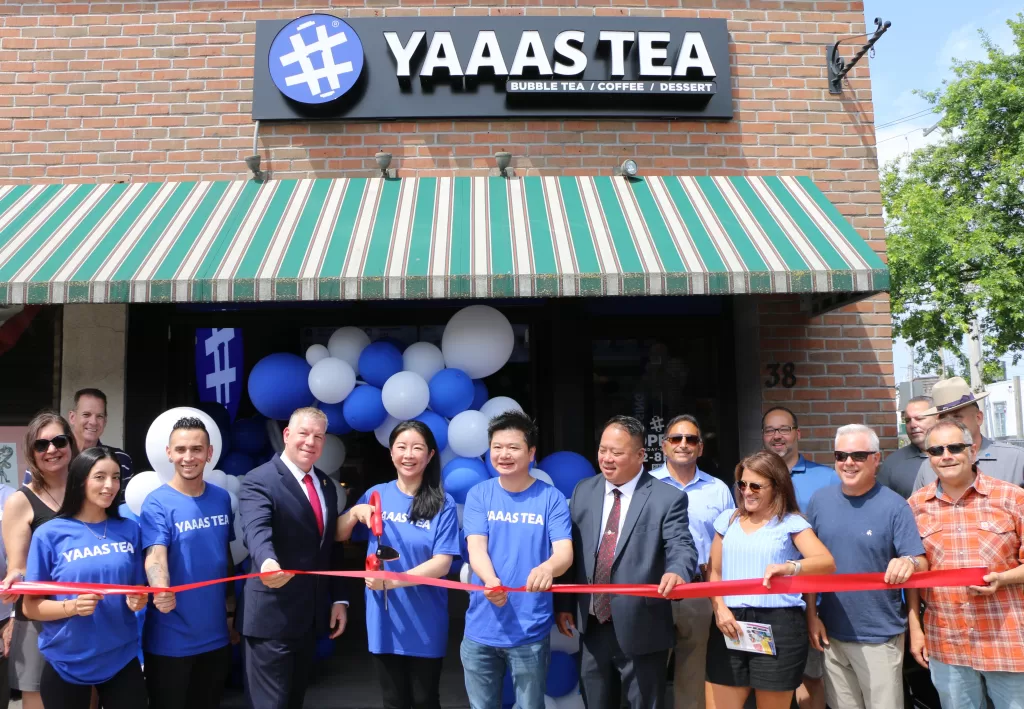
(219,370)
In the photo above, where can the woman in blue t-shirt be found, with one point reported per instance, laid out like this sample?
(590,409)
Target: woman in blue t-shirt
(765,536)
(89,640)
(409,638)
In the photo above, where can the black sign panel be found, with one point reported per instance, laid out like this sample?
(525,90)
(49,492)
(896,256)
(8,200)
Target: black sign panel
(491,67)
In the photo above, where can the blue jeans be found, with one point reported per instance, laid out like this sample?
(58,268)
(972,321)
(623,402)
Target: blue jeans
(484,668)
(965,688)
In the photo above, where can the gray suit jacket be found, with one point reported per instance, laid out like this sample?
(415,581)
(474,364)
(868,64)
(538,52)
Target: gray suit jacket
(655,540)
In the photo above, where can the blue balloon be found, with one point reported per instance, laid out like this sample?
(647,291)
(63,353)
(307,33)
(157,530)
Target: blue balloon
(508,690)
(336,422)
(250,436)
(324,648)
(219,413)
(461,474)
(279,384)
(237,463)
(562,674)
(364,408)
(480,395)
(566,469)
(378,362)
(451,392)
(438,426)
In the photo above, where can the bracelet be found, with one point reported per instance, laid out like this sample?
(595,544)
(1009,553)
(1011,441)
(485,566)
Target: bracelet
(913,560)
(64,607)
(796,567)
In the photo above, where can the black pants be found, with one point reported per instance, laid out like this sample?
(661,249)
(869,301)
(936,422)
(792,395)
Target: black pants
(192,682)
(125,690)
(277,671)
(605,671)
(409,682)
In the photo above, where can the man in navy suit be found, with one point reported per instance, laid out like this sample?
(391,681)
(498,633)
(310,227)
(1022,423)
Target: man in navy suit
(289,515)
(627,528)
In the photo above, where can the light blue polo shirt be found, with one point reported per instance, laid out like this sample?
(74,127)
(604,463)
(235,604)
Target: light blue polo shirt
(708,497)
(808,478)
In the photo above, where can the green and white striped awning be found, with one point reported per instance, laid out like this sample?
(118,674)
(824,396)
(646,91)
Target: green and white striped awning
(427,237)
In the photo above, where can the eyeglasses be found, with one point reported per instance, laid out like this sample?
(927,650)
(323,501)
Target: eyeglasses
(858,456)
(953,448)
(41,445)
(677,438)
(784,430)
(754,487)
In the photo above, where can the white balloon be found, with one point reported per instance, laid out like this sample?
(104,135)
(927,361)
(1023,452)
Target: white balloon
(167,475)
(478,340)
(499,405)
(232,484)
(459,510)
(465,573)
(138,488)
(335,475)
(405,395)
(383,432)
(572,700)
(315,353)
(347,344)
(333,455)
(423,358)
(542,476)
(159,435)
(561,643)
(331,380)
(467,434)
(234,502)
(447,456)
(216,477)
(549,702)
(238,551)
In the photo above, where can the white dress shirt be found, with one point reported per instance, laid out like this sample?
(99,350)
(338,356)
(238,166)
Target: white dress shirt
(299,475)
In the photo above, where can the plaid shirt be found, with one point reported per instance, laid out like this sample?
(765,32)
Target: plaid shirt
(983,528)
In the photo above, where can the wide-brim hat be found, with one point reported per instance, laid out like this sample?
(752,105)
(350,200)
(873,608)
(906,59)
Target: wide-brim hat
(952,394)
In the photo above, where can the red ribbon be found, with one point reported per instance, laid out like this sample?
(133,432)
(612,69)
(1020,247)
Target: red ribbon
(836,583)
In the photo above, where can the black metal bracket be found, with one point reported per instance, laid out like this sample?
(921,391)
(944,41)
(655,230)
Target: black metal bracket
(838,68)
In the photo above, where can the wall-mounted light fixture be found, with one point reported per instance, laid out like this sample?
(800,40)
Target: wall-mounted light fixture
(628,168)
(503,160)
(383,161)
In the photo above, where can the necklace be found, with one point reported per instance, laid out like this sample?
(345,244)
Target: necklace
(94,533)
(51,497)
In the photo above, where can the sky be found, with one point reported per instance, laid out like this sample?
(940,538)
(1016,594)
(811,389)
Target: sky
(916,54)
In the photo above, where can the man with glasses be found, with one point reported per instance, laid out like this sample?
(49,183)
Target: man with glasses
(869,529)
(955,400)
(973,639)
(901,467)
(708,497)
(780,432)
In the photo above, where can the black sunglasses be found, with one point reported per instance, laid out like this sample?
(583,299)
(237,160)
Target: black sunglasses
(41,445)
(953,448)
(754,487)
(858,456)
(677,438)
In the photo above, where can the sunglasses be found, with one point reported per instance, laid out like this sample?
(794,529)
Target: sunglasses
(953,448)
(754,487)
(41,445)
(858,456)
(677,438)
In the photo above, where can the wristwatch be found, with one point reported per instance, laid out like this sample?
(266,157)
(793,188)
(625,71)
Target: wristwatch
(915,562)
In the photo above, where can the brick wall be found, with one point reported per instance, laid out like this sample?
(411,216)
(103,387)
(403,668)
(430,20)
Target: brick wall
(160,90)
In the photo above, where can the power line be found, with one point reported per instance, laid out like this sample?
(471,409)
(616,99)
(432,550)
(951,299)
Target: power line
(904,119)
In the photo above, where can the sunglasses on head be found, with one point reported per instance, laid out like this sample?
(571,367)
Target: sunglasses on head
(953,448)
(858,456)
(754,487)
(41,445)
(677,438)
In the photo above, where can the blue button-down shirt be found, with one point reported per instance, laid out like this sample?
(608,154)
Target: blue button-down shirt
(808,478)
(708,498)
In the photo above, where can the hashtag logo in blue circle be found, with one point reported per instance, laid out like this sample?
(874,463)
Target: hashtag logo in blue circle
(316,59)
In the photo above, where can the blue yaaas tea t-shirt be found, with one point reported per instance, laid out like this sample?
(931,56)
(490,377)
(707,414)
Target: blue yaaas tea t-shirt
(416,621)
(89,649)
(520,528)
(196,532)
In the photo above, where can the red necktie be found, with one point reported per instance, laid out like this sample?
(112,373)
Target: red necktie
(314,501)
(605,555)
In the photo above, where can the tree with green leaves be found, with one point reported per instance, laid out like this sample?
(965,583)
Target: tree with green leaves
(955,215)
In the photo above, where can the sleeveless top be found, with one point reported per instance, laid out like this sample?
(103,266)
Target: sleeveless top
(41,514)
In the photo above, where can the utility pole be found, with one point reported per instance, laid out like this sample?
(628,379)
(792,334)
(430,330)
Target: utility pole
(974,355)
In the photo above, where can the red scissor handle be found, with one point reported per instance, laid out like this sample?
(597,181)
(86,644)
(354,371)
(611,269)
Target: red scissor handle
(377,518)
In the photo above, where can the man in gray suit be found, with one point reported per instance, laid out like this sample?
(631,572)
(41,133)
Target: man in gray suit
(629,528)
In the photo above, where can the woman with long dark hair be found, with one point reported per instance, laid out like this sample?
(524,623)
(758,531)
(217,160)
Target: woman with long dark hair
(408,639)
(49,446)
(89,640)
(764,536)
